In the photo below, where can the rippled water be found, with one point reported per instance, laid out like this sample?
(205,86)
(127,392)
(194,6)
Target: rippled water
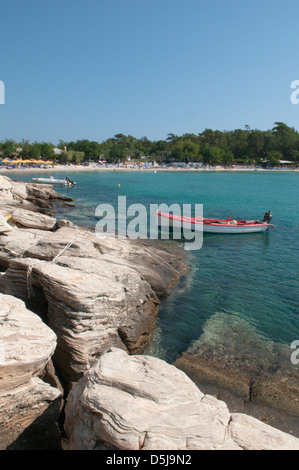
(250,278)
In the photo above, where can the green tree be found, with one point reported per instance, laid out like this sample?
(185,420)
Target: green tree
(215,155)
(62,145)
(172,138)
(274,157)
(294,155)
(285,138)
(118,153)
(34,151)
(9,147)
(91,149)
(25,144)
(227,158)
(47,151)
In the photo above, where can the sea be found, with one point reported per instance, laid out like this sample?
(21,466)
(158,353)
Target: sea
(241,290)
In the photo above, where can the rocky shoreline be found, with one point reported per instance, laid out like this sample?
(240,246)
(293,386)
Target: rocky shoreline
(75,308)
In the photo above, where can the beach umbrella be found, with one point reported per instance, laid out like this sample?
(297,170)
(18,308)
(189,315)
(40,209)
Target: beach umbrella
(36,161)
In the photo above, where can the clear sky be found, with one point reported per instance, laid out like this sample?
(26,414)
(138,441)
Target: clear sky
(77,69)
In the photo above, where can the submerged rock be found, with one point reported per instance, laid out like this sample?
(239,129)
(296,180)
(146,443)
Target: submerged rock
(140,402)
(232,355)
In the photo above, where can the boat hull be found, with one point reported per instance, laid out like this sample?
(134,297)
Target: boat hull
(232,229)
(179,224)
(51,181)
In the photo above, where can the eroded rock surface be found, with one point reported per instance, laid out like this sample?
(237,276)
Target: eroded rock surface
(92,302)
(28,196)
(33,219)
(26,346)
(140,402)
(4,226)
(94,292)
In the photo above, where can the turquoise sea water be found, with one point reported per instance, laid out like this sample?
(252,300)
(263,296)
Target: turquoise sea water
(252,279)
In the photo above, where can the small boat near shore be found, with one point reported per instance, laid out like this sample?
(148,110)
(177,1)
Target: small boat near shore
(214,225)
(51,180)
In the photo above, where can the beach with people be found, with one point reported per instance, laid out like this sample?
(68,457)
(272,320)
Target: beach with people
(136,168)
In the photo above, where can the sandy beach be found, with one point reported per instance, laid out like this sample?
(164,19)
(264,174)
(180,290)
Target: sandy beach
(97,168)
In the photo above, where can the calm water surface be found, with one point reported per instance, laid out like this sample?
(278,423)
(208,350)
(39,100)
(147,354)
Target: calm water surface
(250,278)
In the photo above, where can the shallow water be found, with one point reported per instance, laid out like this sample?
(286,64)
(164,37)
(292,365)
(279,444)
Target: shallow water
(247,280)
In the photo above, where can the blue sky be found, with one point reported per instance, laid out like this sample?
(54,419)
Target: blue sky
(77,69)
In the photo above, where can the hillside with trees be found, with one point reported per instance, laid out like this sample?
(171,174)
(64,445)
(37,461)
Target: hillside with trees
(213,147)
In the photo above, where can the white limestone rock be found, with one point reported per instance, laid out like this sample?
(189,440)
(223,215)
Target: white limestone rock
(32,219)
(140,402)
(26,402)
(28,414)
(26,342)
(4,226)
(252,434)
(91,304)
(5,184)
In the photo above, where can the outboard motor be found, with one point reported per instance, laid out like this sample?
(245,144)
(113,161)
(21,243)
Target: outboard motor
(69,181)
(267,217)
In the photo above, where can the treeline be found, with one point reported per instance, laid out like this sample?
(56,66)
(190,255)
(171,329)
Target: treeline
(241,146)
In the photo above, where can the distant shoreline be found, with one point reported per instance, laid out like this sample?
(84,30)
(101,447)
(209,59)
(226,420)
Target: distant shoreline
(80,168)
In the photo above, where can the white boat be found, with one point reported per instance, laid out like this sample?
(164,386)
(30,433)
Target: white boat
(214,225)
(52,180)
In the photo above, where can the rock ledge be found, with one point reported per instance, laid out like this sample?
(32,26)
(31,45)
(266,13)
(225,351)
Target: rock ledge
(142,403)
